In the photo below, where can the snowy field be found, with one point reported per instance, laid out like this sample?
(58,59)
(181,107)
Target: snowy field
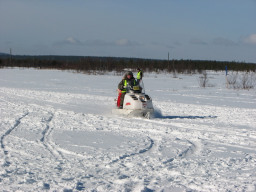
(58,134)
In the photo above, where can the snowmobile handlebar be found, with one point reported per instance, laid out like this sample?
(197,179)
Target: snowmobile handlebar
(130,88)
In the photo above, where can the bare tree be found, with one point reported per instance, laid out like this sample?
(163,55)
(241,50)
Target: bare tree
(248,80)
(232,80)
(241,81)
(203,80)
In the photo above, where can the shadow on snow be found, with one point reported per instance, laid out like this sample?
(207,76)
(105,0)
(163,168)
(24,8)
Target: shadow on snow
(159,115)
(187,117)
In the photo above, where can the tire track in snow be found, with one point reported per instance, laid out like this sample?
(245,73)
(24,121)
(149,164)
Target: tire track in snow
(8,132)
(189,151)
(46,130)
(183,154)
(45,140)
(137,153)
(62,164)
(64,173)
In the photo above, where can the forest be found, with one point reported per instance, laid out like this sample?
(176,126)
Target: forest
(88,64)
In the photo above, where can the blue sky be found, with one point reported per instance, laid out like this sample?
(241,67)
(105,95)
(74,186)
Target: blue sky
(223,30)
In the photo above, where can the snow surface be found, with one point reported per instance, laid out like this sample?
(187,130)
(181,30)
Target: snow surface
(58,134)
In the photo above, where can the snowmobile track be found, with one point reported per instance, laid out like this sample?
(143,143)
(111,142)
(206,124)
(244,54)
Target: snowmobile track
(190,150)
(45,141)
(8,132)
(138,153)
(46,130)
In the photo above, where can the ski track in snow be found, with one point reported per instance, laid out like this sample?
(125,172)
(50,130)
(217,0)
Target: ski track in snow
(60,141)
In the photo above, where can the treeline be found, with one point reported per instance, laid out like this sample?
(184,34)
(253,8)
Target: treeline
(87,64)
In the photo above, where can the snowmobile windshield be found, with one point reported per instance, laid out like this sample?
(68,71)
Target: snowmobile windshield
(133,89)
(141,85)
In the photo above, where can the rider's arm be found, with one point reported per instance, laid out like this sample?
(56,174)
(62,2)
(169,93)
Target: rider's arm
(121,85)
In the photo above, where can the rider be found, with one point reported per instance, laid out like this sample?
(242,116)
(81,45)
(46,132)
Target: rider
(128,79)
(139,75)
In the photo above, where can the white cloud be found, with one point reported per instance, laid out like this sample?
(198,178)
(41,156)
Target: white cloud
(126,42)
(251,39)
(122,42)
(96,42)
(72,40)
(68,41)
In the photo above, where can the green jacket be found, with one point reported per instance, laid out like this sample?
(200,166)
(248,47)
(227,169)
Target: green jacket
(125,82)
(139,75)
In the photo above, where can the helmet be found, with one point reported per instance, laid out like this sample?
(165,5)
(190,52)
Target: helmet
(129,73)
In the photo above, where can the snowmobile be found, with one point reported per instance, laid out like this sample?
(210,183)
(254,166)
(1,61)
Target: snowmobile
(136,103)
